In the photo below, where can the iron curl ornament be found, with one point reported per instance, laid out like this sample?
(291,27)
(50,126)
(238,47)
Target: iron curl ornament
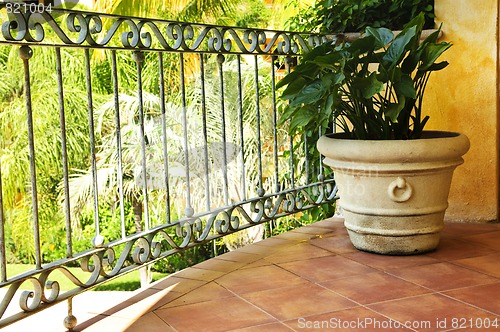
(64,27)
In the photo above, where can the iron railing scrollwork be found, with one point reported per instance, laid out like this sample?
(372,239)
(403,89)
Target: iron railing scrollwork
(88,29)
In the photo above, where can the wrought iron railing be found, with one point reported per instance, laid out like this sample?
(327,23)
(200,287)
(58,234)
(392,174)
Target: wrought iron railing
(181,143)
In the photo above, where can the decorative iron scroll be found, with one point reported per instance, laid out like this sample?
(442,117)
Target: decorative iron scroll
(160,242)
(95,30)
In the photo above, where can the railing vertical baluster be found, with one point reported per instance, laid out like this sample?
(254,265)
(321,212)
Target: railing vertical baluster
(205,133)
(275,124)
(164,136)
(306,157)
(70,320)
(189,211)
(321,177)
(288,61)
(260,190)
(220,62)
(139,59)
(25,53)
(98,240)
(64,151)
(116,100)
(242,139)
(3,260)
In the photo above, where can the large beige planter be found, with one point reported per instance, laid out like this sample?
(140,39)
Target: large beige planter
(394,194)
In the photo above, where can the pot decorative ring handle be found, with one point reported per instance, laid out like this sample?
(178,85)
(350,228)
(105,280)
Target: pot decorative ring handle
(400,190)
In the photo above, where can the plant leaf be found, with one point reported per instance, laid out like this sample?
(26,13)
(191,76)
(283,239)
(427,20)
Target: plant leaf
(383,36)
(399,46)
(405,87)
(309,94)
(294,86)
(438,66)
(393,109)
(430,54)
(369,86)
(302,118)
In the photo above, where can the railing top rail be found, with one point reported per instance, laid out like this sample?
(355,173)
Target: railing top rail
(75,28)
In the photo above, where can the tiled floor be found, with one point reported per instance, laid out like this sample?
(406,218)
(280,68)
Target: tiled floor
(312,279)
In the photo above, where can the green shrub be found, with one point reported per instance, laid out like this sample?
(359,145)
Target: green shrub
(337,16)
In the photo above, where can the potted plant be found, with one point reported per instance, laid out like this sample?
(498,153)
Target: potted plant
(393,177)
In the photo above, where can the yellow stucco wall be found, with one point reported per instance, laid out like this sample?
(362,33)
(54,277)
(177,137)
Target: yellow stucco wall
(464,97)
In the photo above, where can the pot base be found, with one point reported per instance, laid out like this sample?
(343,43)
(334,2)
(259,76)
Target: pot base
(395,245)
(394,235)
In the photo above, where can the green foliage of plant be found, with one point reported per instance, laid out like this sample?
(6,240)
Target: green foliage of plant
(248,14)
(337,16)
(372,88)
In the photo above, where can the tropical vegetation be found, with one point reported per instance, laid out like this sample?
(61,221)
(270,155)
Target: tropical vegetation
(338,16)
(372,88)
(48,152)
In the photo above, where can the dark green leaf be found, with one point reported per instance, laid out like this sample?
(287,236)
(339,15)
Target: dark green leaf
(309,94)
(405,87)
(392,111)
(363,45)
(382,36)
(430,54)
(369,86)
(293,87)
(438,66)
(303,118)
(399,46)
(410,63)
(433,37)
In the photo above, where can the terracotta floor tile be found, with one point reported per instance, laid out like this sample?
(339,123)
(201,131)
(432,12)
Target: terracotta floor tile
(485,296)
(489,240)
(336,243)
(451,248)
(145,301)
(298,301)
(217,315)
(274,327)
(177,284)
(326,268)
(298,252)
(332,223)
(312,230)
(275,242)
(489,264)
(239,256)
(260,262)
(262,251)
(442,276)
(199,274)
(258,278)
(385,262)
(432,312)
(206,292)
(220,265)
(349,320)
(458,230)
(374,287)
(296,236)
(149,323)
(107,323)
